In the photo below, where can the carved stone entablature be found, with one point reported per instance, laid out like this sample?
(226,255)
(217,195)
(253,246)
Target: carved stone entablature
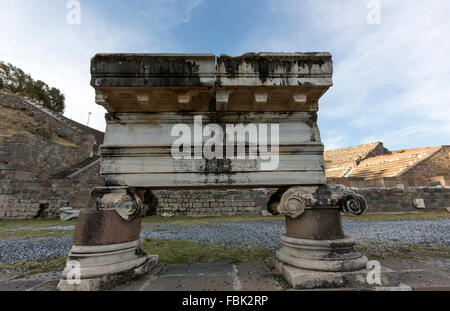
(295,200)
(124,200)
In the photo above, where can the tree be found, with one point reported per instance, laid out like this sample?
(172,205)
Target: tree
(38,91)
(14,78)
(57,100)
(20,83)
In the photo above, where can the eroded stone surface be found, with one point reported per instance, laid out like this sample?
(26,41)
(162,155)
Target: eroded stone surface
(104,227)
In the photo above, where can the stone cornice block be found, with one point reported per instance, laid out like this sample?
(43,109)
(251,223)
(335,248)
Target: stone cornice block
(153,70)
(276,69)
(192,82)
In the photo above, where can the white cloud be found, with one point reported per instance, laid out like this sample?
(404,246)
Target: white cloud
(168,13)
(389,78)
(334,141)
(36,37)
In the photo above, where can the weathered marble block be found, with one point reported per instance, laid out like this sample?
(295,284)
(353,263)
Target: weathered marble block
(146,95)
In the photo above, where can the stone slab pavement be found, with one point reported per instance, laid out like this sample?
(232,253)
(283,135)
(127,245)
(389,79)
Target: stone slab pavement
(37,282)
(424,274)
(253,276)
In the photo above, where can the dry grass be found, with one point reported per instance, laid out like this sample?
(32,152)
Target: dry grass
(190,221)
(439,214)
(188,252)
(203,220)
(61,141)
(36,266)
(379,250)
(13,121)
(31,229)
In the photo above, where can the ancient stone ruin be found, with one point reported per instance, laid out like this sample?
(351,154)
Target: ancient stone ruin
(47,161)
(252,122)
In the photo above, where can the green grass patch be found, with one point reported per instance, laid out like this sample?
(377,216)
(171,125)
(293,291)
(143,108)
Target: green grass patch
(211,220)
(188,252)
(379,250)
(440,214)
(34,223)
(203,220)
(36,228)
(37,266)
(34,234)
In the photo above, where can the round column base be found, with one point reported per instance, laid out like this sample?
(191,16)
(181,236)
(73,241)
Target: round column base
(93,268)
(303,279)
(321,255)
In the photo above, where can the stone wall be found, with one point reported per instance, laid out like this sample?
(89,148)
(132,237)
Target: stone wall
(36,143)
(28,199)
(213,202)
(77,191)
(355,182)
(401,200)
(47,143)
(58,124)
(431,171)
(23,156)
(241,201)
(347,156)
(423,174)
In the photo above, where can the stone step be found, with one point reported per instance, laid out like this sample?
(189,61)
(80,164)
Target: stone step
(79,166)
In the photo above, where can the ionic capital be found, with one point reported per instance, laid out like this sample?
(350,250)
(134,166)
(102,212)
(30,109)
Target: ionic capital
(123,200)
(296,200)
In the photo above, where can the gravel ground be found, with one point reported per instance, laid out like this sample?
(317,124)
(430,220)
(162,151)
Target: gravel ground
(413,230)
(267,233)
(25,250)
(260,233)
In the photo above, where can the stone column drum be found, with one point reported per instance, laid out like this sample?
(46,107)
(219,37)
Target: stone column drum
(147,95)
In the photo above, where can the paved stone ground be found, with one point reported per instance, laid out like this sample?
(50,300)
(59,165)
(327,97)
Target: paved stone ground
(427,274)
(38,282)
(207,276)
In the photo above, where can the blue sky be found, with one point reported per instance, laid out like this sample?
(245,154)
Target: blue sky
(391,80)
